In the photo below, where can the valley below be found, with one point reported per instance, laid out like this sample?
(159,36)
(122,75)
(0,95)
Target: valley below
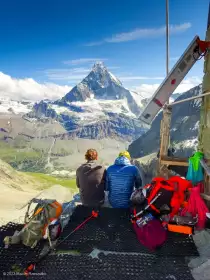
(18,188)
(29,149)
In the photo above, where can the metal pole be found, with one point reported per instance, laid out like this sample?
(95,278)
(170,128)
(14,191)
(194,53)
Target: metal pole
(188,99)
(167,47)
(167,38)
(208,20)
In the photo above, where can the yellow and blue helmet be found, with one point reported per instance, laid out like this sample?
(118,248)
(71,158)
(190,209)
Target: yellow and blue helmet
(125,154)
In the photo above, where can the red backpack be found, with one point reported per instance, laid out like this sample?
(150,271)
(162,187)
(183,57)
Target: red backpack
(172,193)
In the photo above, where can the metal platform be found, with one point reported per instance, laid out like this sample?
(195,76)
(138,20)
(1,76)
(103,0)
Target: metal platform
(111,231)
(16,255)
(113,267)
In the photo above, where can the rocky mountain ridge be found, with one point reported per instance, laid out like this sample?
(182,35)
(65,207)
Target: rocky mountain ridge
(184,128)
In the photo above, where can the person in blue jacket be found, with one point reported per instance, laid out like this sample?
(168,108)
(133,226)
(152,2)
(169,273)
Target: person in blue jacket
(121,178)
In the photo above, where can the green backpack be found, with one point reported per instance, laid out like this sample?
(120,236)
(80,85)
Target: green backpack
(37,226)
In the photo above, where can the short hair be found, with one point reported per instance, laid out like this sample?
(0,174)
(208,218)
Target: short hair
(91,154)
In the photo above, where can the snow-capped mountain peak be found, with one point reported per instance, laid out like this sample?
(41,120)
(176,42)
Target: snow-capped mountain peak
(98,106)
(103,85)
(99,67)
(114,79)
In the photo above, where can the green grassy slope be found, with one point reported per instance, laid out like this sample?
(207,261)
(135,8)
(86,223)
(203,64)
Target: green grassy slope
(47,181)
(24,159)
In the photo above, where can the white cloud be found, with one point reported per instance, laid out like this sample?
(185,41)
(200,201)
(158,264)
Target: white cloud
(83,61)
(28,89)
(187,84)
(147,90)
(139,33)
(70,75)
(132,78)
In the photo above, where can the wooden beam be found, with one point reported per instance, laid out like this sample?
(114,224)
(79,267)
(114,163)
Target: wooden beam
(165,131)
(174,159)
(164,141)
(178,161)
(173,162)
(204,131)
(205,165)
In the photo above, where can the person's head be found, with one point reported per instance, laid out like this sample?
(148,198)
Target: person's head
(125,154)
(91,154)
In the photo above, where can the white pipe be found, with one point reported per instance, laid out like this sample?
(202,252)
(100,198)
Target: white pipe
(188,99)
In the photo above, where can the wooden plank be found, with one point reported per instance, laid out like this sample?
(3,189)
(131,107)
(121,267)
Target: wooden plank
(177,161)
(174,162)
(174,159)
(203,145)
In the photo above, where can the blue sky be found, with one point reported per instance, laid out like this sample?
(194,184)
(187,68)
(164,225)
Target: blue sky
(56,42)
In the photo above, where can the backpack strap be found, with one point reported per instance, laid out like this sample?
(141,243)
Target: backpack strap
(154,208)
(156,186)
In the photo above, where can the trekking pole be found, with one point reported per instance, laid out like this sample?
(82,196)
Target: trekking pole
(94,215)
(31,266)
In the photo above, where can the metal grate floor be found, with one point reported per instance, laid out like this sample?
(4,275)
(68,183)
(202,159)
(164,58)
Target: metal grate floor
(114,267)
(16,255)
(111,231)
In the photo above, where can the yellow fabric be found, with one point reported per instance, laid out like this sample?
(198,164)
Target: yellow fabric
(125,154)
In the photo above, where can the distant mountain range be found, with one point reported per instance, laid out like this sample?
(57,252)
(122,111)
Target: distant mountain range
(184,128)
(8,106)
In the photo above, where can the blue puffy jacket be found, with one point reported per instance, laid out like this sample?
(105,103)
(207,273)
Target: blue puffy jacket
(121,178)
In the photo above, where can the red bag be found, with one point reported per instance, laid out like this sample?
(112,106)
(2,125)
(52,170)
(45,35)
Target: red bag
(196,207)
(151,235)
(173,191)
